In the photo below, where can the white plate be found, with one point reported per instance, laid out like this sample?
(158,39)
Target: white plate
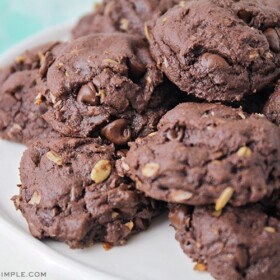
(152,255)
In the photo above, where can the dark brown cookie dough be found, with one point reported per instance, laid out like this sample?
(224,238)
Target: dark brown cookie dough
(21,106)
(272,107)
(126,16)
(71,192)
(272,3)
(20,113)
(240,244)
(218,50)
(208,153)
(106,84)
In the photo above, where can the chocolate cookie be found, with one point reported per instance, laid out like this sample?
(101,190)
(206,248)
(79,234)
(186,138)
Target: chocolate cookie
(218,50)
(126,16)
(21,108)
(272,107)
(71,192)
(240,243)
(272,3)
(106,84)
(207,153)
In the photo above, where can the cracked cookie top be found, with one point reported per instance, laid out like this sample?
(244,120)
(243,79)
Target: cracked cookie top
(239,243)
(21,108)
(72,192)
(218,50)
(126,16)
(106,84)
(208,153)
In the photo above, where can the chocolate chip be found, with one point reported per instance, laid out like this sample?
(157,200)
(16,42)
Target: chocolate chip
(212,61)
(273,39)
(175,134)
(137,68)
(245,16)
(88,95)
(117,132)
(241,257)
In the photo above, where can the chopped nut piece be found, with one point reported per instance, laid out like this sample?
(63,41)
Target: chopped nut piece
(182,4)
(124,24)
(123,242)
(109,60)
(57,104)
(16,200)
(109,8)
(115,215)
(242,116)
(35,199)
(39,99)
(181,196)
(53,156)
(244,152)
(270,229)
(20,59)
(165,62)
(125,166)
(224,198)
(73,194)
(96,6)
(150,169)
(101,171)
(130,225)
(217,213)
(215,230)
(147,32)
(16,127)
(107,246)
(67,74)
(102,95)
(54,99)
(152,134)
(200,267)
(269,55)
(149,80)
(59,65)
(139,140)
(253,55)
(164,20)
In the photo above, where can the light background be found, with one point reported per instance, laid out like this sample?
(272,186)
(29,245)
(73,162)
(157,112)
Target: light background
(22,18)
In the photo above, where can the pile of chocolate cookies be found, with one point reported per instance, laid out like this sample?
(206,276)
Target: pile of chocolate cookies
(155,104)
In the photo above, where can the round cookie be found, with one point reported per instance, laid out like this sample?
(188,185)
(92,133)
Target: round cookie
(106,84)
(121,16)
(218,50)
(71,192)
(241,243)
(21,108)
(207,153)
(272,106)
